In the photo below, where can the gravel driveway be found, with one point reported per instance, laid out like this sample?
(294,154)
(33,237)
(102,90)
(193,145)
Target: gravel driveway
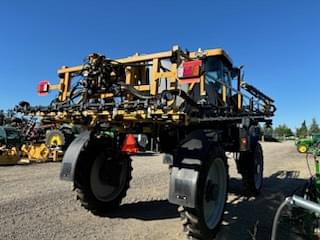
(35,204)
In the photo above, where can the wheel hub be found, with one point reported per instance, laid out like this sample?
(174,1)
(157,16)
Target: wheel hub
(109,173)
(107,178)
(258,172)
(212,191)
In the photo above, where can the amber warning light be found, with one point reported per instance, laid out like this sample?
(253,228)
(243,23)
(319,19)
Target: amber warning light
(43,88)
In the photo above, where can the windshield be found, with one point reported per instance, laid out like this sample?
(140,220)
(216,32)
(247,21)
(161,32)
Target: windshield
(216,75)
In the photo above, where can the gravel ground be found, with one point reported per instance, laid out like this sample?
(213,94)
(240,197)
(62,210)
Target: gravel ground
(35,204)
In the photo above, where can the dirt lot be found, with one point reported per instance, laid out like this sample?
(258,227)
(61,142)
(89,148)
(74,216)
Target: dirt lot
(35,204)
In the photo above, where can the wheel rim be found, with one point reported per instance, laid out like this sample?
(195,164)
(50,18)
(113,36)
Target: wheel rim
(258,175)
(103,178)
(55,140)
(215,192)
(302,149)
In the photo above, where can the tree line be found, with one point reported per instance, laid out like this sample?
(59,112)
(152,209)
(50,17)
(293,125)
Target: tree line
(283,130)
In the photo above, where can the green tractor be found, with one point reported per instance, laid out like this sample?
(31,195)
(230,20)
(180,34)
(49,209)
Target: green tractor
(303,144)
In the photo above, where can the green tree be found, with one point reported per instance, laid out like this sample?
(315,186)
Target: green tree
(303,130)
(314,127)
(283,131)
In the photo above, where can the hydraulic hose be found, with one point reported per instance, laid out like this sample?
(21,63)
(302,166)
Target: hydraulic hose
(273,108)
(277,216)
(181,93)
(295,201)
(176,92)
(135,92)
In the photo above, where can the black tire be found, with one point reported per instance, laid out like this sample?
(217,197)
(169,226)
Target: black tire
(102,193)
(198,223)
(251,169)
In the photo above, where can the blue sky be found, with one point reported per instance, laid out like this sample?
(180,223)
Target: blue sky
(277,41)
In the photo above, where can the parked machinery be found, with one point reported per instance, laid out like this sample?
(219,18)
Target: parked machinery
(195,105)
(44,140)
(39,140)
(10,142)
(303,144)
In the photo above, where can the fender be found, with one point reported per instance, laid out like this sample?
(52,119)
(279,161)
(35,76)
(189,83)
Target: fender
(187,162)
(72,154)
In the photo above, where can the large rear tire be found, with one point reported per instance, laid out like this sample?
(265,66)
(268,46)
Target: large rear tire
(203,221)
(102,182)
(251,169)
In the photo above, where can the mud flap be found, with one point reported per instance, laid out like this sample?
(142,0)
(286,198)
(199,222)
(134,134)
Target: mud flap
(187,164)
(71,156)
(183,186)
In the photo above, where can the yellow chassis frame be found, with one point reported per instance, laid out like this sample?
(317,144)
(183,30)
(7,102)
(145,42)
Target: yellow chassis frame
(65,74)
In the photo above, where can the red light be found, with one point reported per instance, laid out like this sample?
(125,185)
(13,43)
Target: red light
(130,145)
(190,70)
(244,141)
(43,88)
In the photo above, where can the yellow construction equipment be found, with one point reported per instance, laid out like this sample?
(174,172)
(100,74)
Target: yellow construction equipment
(29,143)
(41,153)
(9,156)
